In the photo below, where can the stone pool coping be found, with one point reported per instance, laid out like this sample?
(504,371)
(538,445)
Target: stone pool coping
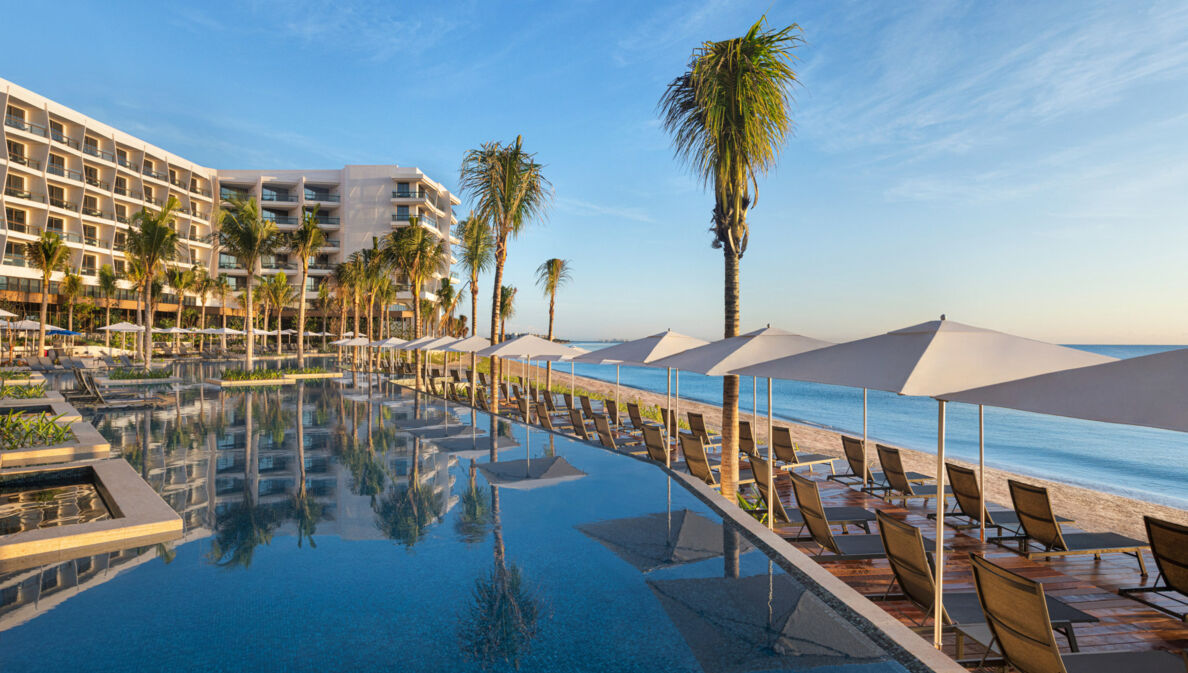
(35,378)
(261,383)
(139,518)
(88,444)
(902,644)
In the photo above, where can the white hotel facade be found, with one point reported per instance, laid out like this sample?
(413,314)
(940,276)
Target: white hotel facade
(65,172)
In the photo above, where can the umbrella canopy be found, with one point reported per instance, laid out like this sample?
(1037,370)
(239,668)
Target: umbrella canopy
(528,346)
(122,327)
(6,314)
(30,326)
(661,539)
(438,344)
(62,332)
(932,358)
(263,332)
(223,331)
(471,344)
(525,474)
(288,331)
(340,342)
(644,351)
(390,342)
(172,330)
(574,352)
(416,344)
(314,333)
(1148,391)
(760,623)
(722,357)
(354,341)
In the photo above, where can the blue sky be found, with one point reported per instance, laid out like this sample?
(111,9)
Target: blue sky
(1019,166)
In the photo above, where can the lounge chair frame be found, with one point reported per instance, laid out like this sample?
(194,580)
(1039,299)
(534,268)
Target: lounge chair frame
(1169,546)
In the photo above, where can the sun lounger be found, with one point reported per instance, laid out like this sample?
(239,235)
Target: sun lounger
(786,453)
(698,464)
(898,485)
(546,420)
(914,571)
(697,427)
(1169,546)
(1039,526)
(610,440)
(637,419)
(612,412)
(816,519)
(856,459)
(966,492)
(1016,610)
(669,420)
(789,522)
(657,448)
(578,424)
(587,408)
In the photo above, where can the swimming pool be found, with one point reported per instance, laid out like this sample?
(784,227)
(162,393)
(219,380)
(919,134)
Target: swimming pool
(334,526)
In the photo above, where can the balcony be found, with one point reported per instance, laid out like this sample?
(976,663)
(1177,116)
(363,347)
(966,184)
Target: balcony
(328,221)
(155,202)
(278,266)
(24,161)
(178,183)
(332,243)
(95,212)
(283,219)
(123,161)
(62,203)
(15,260)
(321,266)
(24,194)
(324,198)
(130,193)
(64,139)
(62,171)
(153,174)
(96,182)
(277,197)
(423,220)
(123,219)
(94,151)
(228,265)
(200,191)
(233,195)
(91,240)
(88,271)
(18,123)
(22,228)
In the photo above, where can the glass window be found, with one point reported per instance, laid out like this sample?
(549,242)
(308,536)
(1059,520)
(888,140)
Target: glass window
(55,224)
(15,216)
(16,112)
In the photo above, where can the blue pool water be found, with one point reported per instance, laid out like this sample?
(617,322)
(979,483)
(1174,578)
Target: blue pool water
(1137,462)
(390,559)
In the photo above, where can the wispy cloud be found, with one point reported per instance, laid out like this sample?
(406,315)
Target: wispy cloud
(582,208)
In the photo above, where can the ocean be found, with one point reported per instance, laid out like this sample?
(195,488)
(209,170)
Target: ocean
(1141,463)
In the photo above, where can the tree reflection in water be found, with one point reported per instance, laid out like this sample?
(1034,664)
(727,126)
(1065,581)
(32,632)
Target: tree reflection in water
(404,515)
(306,510)
(474,518)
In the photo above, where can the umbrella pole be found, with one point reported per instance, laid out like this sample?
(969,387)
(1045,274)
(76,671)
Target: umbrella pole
(770,464)
(755,403)
(981,472)
(572,380)
(938,601)
(616,386)
(667,404)
(865,467)
(676,406)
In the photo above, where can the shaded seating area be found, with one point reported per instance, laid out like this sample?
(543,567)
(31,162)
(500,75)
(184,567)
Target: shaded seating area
(816,519)
(789,522)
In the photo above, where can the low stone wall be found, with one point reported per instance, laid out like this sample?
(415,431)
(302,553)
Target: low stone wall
(1092,510)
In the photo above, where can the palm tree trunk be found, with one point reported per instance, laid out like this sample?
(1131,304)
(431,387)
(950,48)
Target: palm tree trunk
(177,337)
(301,314)
(549,363)
(474,305)
(496,298)
(247,322)
(279,310)
(729,471)
(416,334)
(107,333)
(148,326)
(45,281)
(223,311)
(201,323)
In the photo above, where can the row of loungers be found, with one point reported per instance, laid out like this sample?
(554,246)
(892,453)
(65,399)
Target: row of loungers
(1008,613)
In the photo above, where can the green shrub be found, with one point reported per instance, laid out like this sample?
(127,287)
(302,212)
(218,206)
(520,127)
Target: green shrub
(18,431)
(305,370)
(15,376)
(136,374)
(253,375)
(22,392)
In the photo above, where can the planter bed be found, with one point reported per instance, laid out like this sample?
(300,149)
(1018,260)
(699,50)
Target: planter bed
(54,406)
(87,444)
(136,515)
(319,375)
(256,383)
(34,378)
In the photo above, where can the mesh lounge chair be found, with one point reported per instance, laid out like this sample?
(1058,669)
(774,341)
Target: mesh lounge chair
(1039,525)
(1169,546)
(790,523)
(481,398)
(612,412)
(524,409)
(967,494)
(786,453)
(1016,611)
(816,519)
(587,408)
(914,570)
(746,439)
(607,437)
(698,463)
(578,424)
(668,419)
(697,427)
(856,459)
(653,440)
(637,419)
(898,485)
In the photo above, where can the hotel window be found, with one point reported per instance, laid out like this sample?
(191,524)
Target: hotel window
(57,164)
(148,193)
(173,176)
(92,175)
(121,213)
(56,225)
(14,182)
(122,155)
(90,234)
(16,219)
(15,150)
(148,166)
(16,113)
(58,129)
(121,186)
(88,265)
(90,203)
(402,189)
(57,196)
(120,266)
(91,143)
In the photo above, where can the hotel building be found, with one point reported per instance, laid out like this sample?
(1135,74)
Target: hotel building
(65,172)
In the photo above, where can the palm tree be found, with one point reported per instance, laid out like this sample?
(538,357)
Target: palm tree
(201,287)
(550,275)
(349,275)
(153,242)
(324,300)
(477,250)
(447,302)
(138,276)
(507,308)
(70,288)
(108,286)
(280,294)
(417,254)
(220,287)
(247,236)
(729,115)
(511,190)
(47,254)
(181,280)
(305,242)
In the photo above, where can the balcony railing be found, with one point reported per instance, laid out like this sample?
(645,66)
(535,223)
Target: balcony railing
(277,197)
(321,266)
(123,161)
(200,191)
(18,123)
(405,217)
(66,140)
(96,152)
(24,161)
(88,271)
(228,265)
(329,221)
(413,194)
(331,243)
(153,174)
(96,182)
(130,193)
(62,203)
(328,198)
(233,195)
(95,212)
(178,183)
(59,169)
(91,240)
(22,228)
(15,260)
(24,194)
(123,219)
(283,219)
(155,202)
(280,266)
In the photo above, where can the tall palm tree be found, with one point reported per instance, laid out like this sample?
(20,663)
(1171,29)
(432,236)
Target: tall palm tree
(477,254)
(729,115)
(550,275)
(69,289)
(507,308)
(447,302)
(220,287)
(324,301)
(247,236)
(154,242)
(511,190)
(417,254)
(280,294)
(47,254)
(349,275)
(108,286)
(181,279)
(136,274)
(201,287)
(305,242)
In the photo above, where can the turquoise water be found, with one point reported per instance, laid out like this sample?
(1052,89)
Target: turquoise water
(1137,462)
(391,558)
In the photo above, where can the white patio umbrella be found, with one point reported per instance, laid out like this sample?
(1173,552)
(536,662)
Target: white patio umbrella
(224,331)
(929,359)
(530,347)
(122,327)
(643,352)
(722,357)
(574,352)
(390,342)
(340,342)
(472,345)
(354,341)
